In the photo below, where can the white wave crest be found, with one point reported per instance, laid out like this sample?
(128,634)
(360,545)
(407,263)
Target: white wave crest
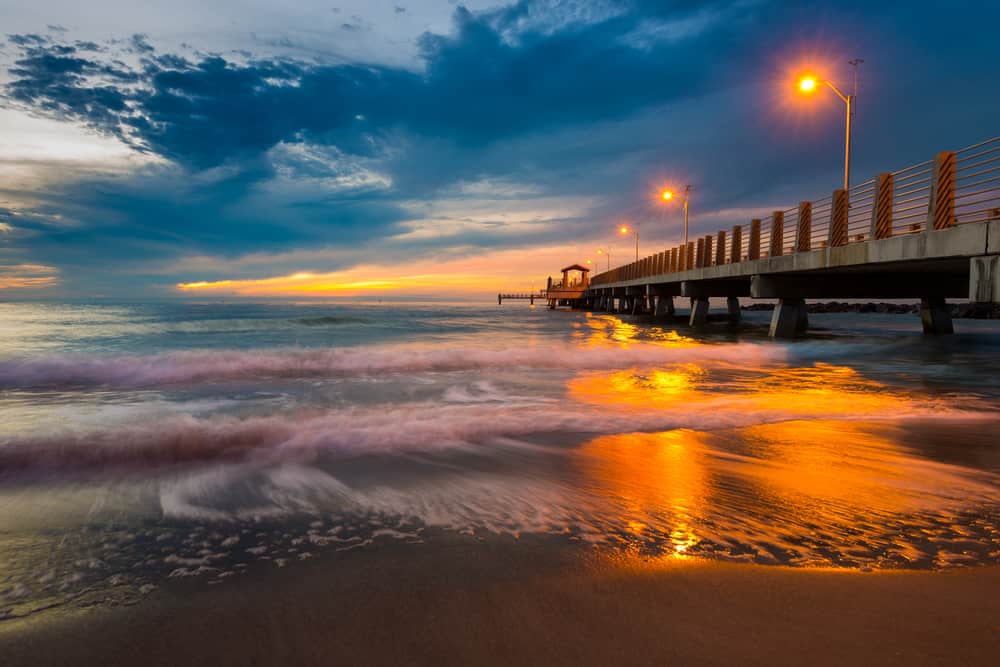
(220,365)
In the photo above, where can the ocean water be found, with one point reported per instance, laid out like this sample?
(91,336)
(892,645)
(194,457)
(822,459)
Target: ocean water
(142,443)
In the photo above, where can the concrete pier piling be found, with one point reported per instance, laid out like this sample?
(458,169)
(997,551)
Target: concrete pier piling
(699,311)
(935,316)
(984,279)
(733,306)
(790,318)
(664,306)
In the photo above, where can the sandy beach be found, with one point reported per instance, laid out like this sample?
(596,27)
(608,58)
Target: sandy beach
(505,602)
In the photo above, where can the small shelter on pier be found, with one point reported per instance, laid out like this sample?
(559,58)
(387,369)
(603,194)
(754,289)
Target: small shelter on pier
(571,289)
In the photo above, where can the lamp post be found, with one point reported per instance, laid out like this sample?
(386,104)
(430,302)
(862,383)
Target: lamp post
(808,85)
(625,229)
(668,195)
(606,253)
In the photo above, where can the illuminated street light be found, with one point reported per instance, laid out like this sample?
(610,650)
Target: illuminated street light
(606,253)
(809,83)
(668,195)
(625,229)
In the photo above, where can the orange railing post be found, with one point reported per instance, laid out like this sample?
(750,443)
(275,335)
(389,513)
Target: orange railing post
(838,218)
(754,251)
(803,232)
(942,206)
(882,209)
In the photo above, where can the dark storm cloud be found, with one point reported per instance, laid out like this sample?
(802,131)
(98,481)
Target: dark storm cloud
(477,87)
(27,40)
(57,79)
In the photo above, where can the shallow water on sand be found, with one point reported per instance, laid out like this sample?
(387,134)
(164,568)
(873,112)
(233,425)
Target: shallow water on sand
(140,443)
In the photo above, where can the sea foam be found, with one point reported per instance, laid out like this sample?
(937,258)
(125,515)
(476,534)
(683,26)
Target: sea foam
(189,367)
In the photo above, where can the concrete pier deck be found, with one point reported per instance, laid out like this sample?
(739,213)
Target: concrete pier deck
(930,231)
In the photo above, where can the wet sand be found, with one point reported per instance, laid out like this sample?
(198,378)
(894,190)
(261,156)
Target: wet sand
(531,603)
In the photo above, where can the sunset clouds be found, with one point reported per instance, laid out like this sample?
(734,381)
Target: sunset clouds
(363,144)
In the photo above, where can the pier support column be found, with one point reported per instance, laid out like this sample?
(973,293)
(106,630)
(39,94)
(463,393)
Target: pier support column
(984,279)
(935,316)
(664,306)
(790,318)
(699,311)
(733,306)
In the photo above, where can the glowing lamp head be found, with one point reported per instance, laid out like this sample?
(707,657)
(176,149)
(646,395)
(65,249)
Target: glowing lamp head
(600,252)
(623,230)
(807,84)
(667,195)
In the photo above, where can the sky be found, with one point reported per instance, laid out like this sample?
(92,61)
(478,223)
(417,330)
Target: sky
(430,148)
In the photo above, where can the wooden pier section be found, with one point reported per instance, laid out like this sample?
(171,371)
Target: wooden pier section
(521,296)
(930,231)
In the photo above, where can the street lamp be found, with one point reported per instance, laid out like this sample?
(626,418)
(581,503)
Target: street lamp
(625,229)
(668,195)
(606,253)
(808,85)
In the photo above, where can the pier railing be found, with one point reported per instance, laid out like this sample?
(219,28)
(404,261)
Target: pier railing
(956,187)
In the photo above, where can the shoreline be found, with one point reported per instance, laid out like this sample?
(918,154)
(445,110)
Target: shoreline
(502,601)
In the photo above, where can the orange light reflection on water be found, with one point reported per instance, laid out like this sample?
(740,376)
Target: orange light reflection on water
(798,463)
(822,390)
(807,493)
(608,328)
(656,479)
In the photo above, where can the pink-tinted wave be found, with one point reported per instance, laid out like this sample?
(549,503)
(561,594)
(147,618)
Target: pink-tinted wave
(222,365)
(404,428)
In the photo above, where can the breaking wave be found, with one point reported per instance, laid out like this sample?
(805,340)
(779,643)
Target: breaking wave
(407,428)
(220,365)
(329,320)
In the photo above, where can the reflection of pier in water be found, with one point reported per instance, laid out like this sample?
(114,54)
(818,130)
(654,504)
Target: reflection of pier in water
(930,232)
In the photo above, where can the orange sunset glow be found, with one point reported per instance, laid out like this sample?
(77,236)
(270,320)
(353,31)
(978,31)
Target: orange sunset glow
(480,274)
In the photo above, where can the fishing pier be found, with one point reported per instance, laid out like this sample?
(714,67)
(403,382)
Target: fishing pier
(930,231)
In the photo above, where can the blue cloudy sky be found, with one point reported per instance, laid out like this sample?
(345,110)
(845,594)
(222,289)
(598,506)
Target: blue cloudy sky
(410,146)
